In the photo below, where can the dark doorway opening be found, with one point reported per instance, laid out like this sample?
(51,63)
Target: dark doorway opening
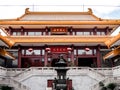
(31,62)
(25,63)
(53,62)
(85,62)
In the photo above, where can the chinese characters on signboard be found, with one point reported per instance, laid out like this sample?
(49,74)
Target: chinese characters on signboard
(59,30)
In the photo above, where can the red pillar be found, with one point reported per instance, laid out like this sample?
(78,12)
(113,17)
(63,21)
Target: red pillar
(69,84)
(98,57)
(50,83)
(45,58)
(19,57)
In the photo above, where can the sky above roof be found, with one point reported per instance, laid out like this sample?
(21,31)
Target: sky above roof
(107,9)
(101,8)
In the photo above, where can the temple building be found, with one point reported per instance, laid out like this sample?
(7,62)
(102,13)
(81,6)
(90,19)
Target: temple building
(36,39)
(31,46)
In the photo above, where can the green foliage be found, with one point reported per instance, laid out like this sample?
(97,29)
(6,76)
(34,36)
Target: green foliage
(6,88)
(111,86)
(101,84)
(104,88)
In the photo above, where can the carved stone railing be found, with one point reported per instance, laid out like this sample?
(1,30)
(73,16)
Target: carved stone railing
(78,70)
(14,71)
(104,71)
(96,75)
(50,71)
(2,71)
(35,71)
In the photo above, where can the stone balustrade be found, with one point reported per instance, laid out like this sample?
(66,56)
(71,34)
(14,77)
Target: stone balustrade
(3,71)
(73,71)
(18,72)
(104,71)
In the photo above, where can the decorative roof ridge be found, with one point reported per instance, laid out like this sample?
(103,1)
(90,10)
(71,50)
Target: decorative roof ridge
(89,12)
(57,12)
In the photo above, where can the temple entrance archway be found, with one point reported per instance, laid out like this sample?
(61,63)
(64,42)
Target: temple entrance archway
(86,62)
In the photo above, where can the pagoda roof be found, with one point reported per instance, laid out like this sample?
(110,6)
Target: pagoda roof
(63,17)
(84,19)
(58,16)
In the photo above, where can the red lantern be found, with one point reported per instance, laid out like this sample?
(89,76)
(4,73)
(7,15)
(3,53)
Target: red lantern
(47,49)
(87,49)
(30,49)
(69,49)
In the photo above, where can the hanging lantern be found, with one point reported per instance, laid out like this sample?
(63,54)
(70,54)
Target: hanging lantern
(87,49)
(30,49)
(69,49)
(47,49)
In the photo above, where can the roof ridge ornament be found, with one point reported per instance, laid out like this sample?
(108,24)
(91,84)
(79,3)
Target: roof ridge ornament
(27,11)
(90,10)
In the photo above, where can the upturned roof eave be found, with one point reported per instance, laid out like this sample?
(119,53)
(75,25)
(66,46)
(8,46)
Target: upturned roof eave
(111,41)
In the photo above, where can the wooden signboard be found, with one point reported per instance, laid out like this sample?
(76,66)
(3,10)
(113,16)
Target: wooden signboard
(59,30)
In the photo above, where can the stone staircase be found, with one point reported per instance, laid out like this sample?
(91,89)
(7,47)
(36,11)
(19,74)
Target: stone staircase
(50,73)
(22,78)
(35,71)
(73,71)
(13,83)
(5,79)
